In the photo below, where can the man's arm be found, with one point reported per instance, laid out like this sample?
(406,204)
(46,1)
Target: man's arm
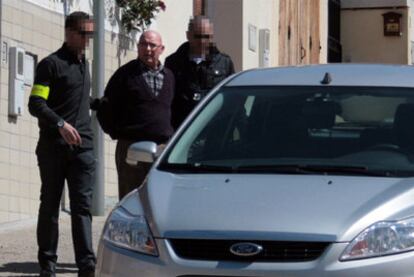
(94,103)
(40,93)
(110,107)
(38,103)
(114,89)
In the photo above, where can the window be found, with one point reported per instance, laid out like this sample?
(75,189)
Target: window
(244,126)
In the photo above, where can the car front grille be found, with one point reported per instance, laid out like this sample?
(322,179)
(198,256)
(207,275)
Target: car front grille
(273,251)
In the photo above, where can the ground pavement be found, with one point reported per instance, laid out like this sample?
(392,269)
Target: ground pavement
(18,247)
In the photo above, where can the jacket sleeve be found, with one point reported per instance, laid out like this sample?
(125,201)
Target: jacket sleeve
(169,63)
(231,67)
(113,95)
(114,87)
(40,93)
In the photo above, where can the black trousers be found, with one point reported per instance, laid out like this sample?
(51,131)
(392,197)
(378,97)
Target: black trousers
(58,163)
(129,177)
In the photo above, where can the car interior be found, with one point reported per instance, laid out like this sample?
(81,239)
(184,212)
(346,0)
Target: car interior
(339,126)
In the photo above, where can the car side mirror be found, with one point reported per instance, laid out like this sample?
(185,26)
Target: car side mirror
(144,151)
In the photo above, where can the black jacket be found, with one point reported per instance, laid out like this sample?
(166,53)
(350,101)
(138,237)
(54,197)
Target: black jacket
(61,91)
(139,114)
(193,81)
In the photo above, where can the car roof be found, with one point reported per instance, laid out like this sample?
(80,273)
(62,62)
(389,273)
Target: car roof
(377,75)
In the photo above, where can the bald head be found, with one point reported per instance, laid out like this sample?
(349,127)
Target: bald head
(150,48)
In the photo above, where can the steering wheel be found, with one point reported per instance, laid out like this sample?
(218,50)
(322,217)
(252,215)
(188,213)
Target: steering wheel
(385,147)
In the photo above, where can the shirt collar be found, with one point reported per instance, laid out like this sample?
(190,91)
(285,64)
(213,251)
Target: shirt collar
(197,59)
(71,54)
(146,68)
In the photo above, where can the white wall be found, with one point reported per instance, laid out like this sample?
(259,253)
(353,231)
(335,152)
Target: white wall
(227,19)
(263,14)
(231,20)
(172,24)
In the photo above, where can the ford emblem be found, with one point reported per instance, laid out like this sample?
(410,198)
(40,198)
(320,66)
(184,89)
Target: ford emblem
(245,249)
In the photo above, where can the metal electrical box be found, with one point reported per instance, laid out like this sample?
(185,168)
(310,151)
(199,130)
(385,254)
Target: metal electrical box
(16,81)
(264,48)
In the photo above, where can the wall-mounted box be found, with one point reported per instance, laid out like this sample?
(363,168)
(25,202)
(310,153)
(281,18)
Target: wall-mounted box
(4,49)
(16,81)
(252,37)
(264,48)
(392,24)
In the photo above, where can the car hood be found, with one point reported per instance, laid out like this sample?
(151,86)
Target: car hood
(259,206)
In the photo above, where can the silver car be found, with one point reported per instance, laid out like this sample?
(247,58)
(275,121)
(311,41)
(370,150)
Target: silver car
(296,171)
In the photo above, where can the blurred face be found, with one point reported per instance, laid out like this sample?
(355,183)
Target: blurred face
(150,49)
(78,39)
(200,36)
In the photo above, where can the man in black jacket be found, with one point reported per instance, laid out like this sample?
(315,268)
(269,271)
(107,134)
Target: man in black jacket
(140,93)
(197,66)
(60,101)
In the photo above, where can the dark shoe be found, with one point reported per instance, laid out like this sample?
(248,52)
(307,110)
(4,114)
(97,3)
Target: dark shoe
(86,273)
(47,273)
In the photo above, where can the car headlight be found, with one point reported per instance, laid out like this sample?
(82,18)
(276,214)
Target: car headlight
(382,238)
(129,231)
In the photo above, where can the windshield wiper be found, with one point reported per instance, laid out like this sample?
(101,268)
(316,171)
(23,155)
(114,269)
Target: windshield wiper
(269,168)
(276,168)
(345,169)
(311,169)
(196,168)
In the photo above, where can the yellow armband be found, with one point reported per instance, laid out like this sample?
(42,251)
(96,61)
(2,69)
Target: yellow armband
(40,91)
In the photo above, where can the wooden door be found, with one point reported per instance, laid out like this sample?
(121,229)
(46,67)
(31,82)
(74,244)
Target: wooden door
(299,38)
(288,32)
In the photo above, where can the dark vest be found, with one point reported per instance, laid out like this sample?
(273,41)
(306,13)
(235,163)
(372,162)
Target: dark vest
(144,116)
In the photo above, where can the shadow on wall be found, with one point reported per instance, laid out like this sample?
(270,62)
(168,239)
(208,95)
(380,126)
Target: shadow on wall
(125,40)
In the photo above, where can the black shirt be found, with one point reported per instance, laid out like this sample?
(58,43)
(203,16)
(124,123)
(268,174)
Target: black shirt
(61,91)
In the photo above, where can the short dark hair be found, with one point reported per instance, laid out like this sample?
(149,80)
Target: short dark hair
(197,19)
(74,20)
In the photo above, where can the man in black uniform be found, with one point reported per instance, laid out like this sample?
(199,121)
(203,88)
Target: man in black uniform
(141,92)
(60,101)
(197,66)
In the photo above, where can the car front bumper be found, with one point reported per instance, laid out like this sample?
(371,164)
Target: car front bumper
(114,261)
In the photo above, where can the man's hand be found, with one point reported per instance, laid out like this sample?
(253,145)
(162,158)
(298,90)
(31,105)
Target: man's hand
(160,148)
(94,103)
(70,134)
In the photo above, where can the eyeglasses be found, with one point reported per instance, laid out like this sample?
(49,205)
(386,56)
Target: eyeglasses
(202,36)
(152,46)
(85,33)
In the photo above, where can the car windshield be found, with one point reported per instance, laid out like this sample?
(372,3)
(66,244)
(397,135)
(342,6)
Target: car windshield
(302,130)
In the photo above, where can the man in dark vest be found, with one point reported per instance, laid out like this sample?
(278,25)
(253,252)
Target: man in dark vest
(197,66)
(141,94)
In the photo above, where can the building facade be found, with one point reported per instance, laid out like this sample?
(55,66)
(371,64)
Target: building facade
(379,31)
(265,33)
